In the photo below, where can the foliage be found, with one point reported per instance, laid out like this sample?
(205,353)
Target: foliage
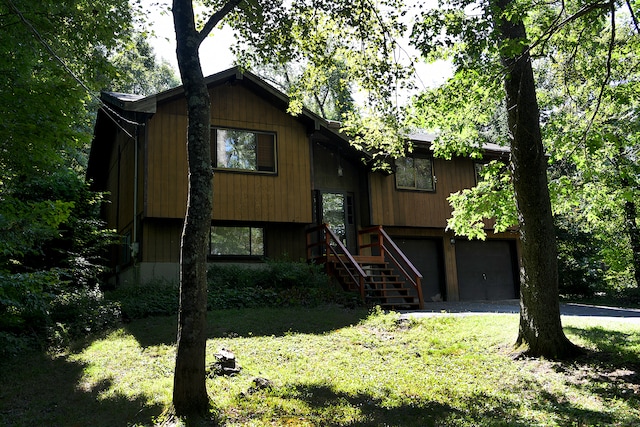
(326,91)
(331,366)
(341,49)
(492,197)
(585,61)
(157,298)
(52,245)
(44,103)
(274,284)
(589,95)
(138,71)
(52,258)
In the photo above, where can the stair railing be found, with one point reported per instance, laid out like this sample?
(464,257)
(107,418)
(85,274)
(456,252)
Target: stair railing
(333,250)
(389,250)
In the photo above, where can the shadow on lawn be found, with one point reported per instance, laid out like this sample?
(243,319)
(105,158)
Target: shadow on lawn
(477,410)
(251,322)
(614,368)
(40,390)
(613,347)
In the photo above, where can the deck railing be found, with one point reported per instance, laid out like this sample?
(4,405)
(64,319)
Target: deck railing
(331,249)
(388,250)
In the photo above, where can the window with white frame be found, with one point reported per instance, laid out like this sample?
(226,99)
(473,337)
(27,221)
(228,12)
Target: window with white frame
(243,150)
(415,173)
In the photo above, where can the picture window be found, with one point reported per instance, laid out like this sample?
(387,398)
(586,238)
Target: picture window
(243,150)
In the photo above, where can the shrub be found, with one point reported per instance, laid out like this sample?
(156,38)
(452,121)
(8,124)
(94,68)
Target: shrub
(42,307)
(275,284)
(157,298)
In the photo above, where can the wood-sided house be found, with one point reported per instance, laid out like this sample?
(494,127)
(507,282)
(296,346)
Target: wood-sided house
(277,177)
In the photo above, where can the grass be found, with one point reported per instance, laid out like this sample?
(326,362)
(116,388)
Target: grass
(331,366)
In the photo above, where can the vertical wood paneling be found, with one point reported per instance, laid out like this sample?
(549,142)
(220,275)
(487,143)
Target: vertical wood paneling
(161,240)
(284,197)
(417,208)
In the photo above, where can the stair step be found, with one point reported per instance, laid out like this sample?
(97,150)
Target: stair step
(383,286)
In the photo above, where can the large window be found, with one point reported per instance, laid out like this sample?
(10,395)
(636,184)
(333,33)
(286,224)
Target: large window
(415,173)
(240,241)
(244,150)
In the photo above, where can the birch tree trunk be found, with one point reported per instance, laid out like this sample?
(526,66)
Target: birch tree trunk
(189,390)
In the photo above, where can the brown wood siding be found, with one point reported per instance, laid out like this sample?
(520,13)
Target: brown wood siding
(286,241)
(161,240)
(284,197)
(392,207)
(119,213)
(166,170)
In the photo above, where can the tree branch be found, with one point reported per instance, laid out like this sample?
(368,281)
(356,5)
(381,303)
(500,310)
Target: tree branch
(633,17)
(607,77)
(579,14)
(217,17)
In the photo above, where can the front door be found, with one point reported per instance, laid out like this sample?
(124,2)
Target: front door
(338,214)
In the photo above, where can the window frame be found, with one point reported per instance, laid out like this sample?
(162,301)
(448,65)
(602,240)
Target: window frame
(415,187)
(250,255)
(274,154)
(477,169)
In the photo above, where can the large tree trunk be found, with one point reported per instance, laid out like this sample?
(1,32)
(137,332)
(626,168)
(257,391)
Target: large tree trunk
(189,390)
(540,329)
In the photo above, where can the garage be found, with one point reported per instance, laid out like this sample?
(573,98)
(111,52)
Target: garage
(426,256)
(486,269)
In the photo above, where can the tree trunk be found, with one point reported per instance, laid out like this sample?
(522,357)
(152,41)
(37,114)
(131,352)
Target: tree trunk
(631,226)
(540,329)
(189,390)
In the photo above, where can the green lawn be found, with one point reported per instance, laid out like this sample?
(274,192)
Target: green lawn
(336,367)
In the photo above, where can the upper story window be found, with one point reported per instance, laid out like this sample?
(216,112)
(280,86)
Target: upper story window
(244,150)
(415,173)
(479,169)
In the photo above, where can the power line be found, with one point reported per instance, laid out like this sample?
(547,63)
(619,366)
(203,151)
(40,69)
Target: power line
(104,107)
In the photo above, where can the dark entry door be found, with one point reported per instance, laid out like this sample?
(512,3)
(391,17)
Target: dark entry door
(338,213)
(486,270)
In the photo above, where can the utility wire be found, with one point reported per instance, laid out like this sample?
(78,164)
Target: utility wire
(104,107)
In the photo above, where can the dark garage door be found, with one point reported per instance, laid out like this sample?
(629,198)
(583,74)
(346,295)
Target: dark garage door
(426,256)
(486,270)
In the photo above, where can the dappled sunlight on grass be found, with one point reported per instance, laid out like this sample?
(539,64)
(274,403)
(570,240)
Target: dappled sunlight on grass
(134,372)
(53,390)
(332,367)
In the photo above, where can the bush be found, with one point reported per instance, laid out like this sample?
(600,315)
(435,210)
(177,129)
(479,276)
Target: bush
(51,260)
(42,307)
(274,284)
(157,298)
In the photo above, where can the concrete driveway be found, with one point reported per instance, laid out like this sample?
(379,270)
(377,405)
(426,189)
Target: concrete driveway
(465,308)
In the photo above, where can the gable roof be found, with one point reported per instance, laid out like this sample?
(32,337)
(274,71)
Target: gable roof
(123,106)
(137,103)
(137,107)
(490,149)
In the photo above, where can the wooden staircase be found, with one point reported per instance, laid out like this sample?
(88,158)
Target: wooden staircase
(383,277)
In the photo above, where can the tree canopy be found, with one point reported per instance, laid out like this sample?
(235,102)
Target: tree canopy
(57,57)
(585,67)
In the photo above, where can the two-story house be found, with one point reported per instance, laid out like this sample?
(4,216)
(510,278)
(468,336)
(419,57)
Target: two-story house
(276,177)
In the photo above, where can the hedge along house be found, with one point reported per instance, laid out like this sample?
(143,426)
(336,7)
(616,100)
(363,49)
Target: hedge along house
(289,187)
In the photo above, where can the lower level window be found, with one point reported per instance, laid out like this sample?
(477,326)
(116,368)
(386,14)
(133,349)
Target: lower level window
(246,241)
